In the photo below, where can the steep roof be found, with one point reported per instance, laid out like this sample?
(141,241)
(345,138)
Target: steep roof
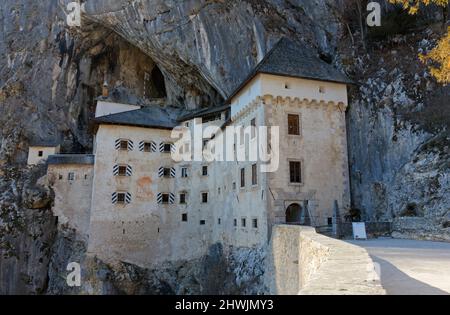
(149,117)
(204,112)
(289,58)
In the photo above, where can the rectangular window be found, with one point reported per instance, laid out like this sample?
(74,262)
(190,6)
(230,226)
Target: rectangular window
(235,222)
(121,198)
(242,177)
(330,221)
(71,176)
(167,148)
(234,185)
(219,221)
(124,145)
(205,197)
(255,223)
(184,172)
(205,170)
(60,177)
(166,172)
(202,222)
(254,174)
(183,198)
(165,198)
(294,124)
(184,217)
(147,147)
(295,172)
(122,171)
(253,127)
(244,222)
(41,153)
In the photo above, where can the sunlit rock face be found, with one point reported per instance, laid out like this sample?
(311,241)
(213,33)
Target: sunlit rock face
(209,47)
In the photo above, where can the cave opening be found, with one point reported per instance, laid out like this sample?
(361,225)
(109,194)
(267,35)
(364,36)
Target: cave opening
(154,84)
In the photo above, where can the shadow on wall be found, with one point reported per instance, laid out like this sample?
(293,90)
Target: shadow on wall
(396,282)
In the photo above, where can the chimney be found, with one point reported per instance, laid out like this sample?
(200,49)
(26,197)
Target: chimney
(105,91)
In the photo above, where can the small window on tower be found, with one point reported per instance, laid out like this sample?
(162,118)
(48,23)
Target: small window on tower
(242,177)
(202,222)
(205,197)
(293,124)
(71,176)
(255,223)
(254,175)
(205,170)
(295,169)
(183,198)
(244,222)
(184,172)
(184,217)
(41,153)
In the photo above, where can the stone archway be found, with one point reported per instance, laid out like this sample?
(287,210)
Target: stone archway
(294,213)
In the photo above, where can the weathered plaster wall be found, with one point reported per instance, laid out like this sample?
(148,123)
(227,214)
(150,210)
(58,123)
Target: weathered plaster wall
(142,232)
(33,154)
(300,261)
(72,203)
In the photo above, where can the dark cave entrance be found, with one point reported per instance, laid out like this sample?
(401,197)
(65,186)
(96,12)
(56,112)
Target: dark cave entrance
(154,84)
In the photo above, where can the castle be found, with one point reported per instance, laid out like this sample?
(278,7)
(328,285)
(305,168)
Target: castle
(132,202)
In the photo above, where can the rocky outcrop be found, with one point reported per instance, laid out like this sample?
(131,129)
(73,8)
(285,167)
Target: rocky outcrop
(230,271)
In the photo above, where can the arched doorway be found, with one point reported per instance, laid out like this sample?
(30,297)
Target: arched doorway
(294,213)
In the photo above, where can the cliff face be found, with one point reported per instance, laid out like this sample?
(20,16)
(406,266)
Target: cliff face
(50,75)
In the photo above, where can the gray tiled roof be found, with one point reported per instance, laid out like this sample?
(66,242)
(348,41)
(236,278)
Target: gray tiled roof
(204,112)
(87,159)
(289,58)
(150,117)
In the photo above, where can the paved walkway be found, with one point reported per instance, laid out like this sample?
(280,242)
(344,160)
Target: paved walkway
(411,267)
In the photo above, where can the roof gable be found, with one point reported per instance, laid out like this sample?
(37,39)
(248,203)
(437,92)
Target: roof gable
(289,58)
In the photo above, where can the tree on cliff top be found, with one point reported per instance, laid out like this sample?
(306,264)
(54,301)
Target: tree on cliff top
(437,59)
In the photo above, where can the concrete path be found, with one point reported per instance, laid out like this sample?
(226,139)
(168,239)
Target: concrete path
(411,267)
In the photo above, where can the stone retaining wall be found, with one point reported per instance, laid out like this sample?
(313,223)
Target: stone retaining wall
(300,261)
